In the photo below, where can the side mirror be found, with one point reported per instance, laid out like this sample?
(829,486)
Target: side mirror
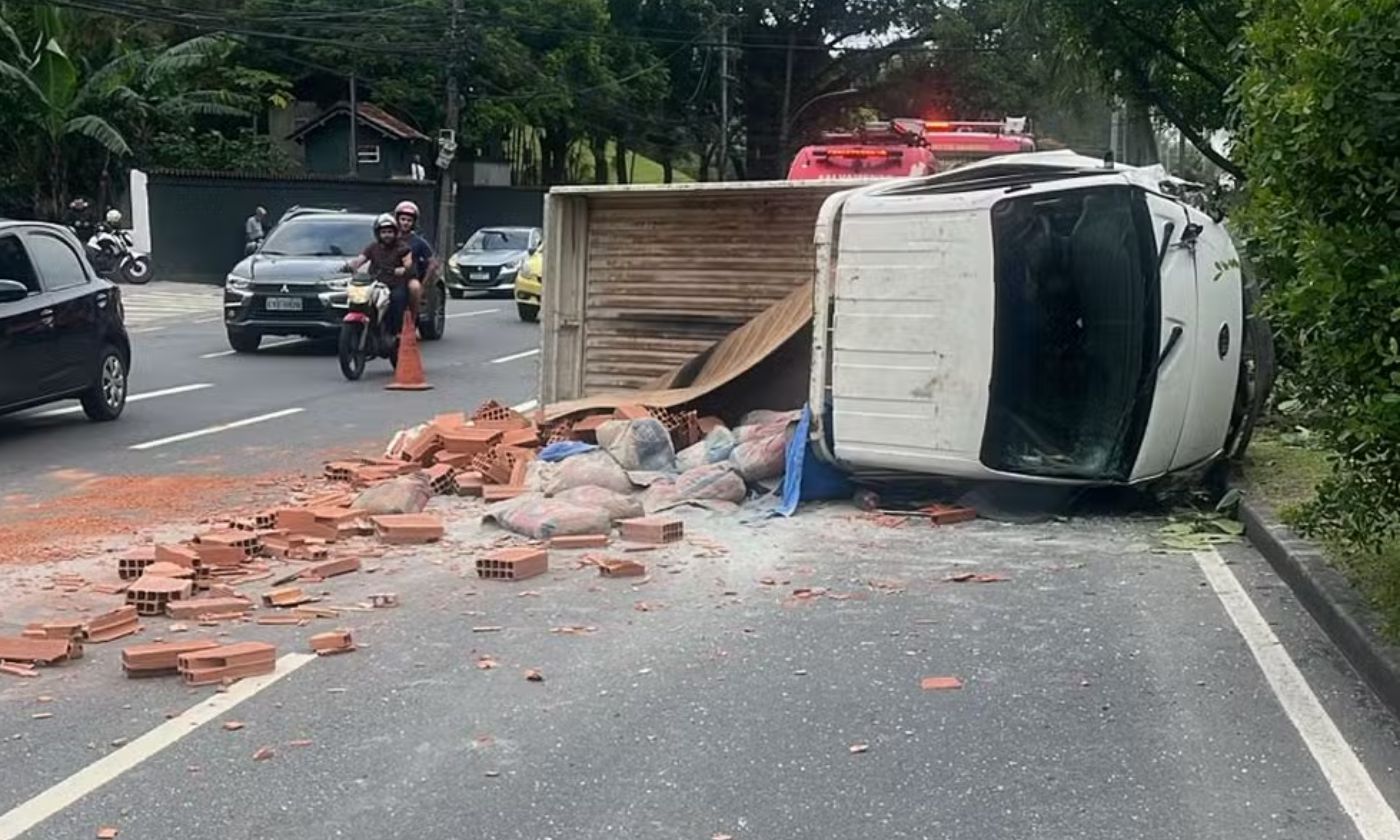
(12,290)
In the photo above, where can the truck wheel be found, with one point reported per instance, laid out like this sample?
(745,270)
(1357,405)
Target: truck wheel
(1255,384)
(107,397)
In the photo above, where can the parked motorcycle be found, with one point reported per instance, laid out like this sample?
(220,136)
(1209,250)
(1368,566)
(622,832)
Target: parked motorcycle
(363,333)
(111,252)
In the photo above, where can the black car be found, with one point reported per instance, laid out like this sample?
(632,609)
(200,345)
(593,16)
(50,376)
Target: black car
(294,283)
(61,329)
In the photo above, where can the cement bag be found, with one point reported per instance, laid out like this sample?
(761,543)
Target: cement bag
(540,518)
(714,482)
(761,458)
(638,444)
(539,475)
(712,450)
(765,417)
(617,505)
(591,469)
(405,494)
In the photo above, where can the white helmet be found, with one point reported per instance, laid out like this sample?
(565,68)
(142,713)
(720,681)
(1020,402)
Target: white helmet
(114,217)
(384,220)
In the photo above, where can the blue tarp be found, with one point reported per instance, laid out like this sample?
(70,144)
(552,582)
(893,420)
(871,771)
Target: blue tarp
(806,477)
(565,449)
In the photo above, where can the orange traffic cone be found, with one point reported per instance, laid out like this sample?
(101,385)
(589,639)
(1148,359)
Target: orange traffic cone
(408,375)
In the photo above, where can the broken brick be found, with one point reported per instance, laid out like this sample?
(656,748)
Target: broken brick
(513,564)
(54,630)
(39,651)
(578,541)
(618,567)
(470,440)
(501,492)
(408,527)
(332,568)
(440,478)
(150,593)
(469,483)
(287,596)
(177,555)
(940,683)
(199,608)
(111,625)
(948,514)
(160,568)
(527,437)
(332,642)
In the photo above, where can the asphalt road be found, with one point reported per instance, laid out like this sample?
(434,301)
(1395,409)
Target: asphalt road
(291,395)
(1109,691)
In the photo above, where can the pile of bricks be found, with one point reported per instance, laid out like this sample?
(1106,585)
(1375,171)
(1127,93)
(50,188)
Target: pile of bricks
(227,663)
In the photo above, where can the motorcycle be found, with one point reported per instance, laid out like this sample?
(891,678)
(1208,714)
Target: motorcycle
(111,252)
(363,333)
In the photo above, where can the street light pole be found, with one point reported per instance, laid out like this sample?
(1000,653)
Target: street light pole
(785,128)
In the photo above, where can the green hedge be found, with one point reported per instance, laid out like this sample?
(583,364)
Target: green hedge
(1319,110)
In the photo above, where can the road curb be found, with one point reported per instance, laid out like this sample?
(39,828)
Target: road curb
(1329,598)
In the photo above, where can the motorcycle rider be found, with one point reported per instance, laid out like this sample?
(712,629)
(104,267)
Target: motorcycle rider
(390,262)
(80,220)
(424,264)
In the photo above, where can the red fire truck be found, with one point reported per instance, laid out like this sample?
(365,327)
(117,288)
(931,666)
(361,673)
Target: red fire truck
(908,147)
(885,149)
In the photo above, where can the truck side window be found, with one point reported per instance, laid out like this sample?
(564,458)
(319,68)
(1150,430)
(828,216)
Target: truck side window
(15,265)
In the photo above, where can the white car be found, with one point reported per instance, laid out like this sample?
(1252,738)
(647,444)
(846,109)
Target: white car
(1042,318)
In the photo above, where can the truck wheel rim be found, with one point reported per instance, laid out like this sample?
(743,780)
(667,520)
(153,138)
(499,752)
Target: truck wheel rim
(113,382)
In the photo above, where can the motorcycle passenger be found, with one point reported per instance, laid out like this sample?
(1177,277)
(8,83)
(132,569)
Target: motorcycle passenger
(390,262)
(406,214)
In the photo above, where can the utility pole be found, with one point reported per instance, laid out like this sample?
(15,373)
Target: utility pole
(724,101)
(447,143)
(354,130)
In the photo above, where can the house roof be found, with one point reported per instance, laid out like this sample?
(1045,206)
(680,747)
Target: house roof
(371,115)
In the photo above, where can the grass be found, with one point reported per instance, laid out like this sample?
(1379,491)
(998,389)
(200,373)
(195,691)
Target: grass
(1287,476)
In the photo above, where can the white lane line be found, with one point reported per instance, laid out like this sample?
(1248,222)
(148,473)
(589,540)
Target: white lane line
(527,354)
(1351,784)
(528,405)
(25,816)
(222,427)
(207,320)
(286,342)
(131,398)
(469,314)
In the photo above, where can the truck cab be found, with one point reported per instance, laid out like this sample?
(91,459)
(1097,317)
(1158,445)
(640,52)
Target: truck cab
(1040,318)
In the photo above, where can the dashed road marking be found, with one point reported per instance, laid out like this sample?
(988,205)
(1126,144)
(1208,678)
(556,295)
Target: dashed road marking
(131,398)
(211,430)
(514,356)
(469,314)
(25,816)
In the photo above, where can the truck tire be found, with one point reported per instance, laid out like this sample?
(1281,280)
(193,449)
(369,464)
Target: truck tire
(1256,381)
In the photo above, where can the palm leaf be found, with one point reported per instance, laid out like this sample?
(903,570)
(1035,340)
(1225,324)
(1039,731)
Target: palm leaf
(115,73)
(99,130)
(194,54)
(10,35)
(14,74)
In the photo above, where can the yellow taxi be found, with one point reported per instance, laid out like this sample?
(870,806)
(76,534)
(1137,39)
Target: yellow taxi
(528,286)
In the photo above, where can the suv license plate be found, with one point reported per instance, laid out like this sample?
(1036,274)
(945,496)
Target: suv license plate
(279,304)
(478,275)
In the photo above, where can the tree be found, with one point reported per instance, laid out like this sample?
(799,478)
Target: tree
(69,106)
(1176,57)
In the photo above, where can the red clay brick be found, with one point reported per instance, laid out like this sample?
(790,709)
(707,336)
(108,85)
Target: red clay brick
(469,483)
(39,651)
(653,530)
(111,625)
(222,556)
(513,564)
(630,412)
(331,568)
(500,492)
(470,440)
(169,570)
(287,596)
(53,630)
(133,560)
(403,528)
(150,593)
(227,662)
(159,657)
(197,608)
(180,555)
(948,514)
(940,683)
(618,567)
(577,541)
(333,642)
(527,437)
(440,478)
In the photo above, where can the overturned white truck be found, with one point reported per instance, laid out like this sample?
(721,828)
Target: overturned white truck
(1041,318)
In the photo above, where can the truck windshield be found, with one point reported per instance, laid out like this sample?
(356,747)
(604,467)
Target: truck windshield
(1076,333)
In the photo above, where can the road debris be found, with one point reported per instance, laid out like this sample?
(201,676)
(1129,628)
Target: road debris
(857,749)
(108,832)
(332,642)
(264,753)
(940,683)
(233,725)
(533,675)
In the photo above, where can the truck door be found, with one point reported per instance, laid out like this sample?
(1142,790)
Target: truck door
(1172,394)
